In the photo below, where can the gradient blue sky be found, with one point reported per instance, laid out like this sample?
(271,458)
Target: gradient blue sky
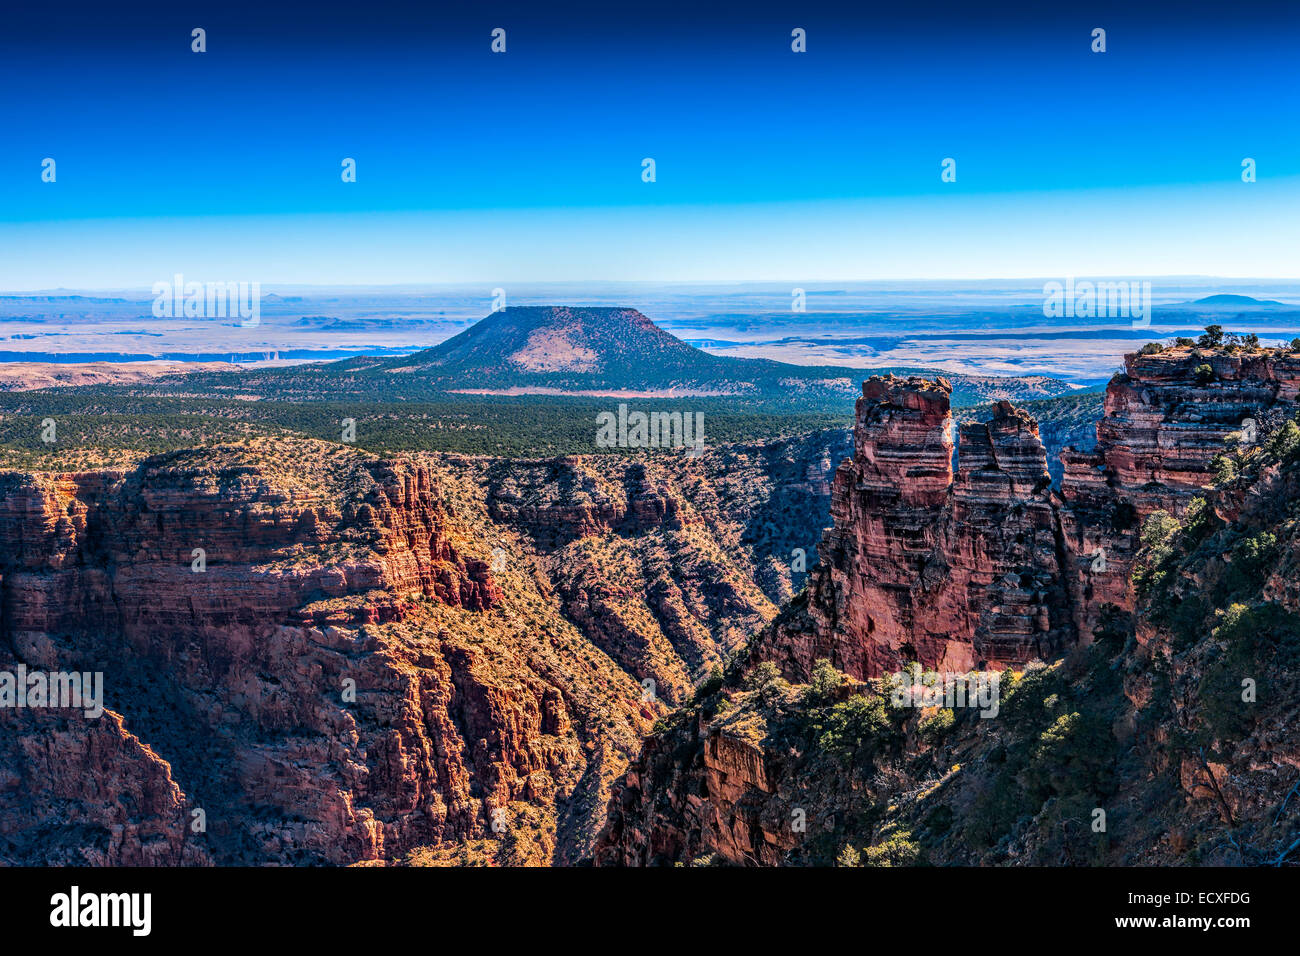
(526,166)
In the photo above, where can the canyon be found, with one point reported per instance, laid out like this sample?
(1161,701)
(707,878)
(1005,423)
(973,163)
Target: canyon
(312,655)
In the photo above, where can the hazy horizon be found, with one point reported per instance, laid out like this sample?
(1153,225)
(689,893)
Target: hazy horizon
(1029,285)
(986,327)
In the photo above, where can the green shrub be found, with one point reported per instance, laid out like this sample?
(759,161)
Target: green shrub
(857,727)
(1212,338)
(1286,441)
(896,849)
(766,679)
(1251,558)
(1225,469)
(1158,530)
(848,857)
(710,685)
(933,728)
(824,682)
(1157,539)
(1256,551)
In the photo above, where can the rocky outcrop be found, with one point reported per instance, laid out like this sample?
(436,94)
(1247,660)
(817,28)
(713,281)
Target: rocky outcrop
(94,792)
(1004,532)
(921,564)
(1166,418)
(181,543)
(1164,421)
(878,560)
(723,799)
(987,565)
(557,502)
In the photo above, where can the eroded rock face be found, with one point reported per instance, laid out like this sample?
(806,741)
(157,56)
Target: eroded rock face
(1163,425)
(84,551)
(728,796)
(1004,531)
(921,564)
(497,620)
(988,566)
(312,685)
(94,792)
(879,556)
(669,562)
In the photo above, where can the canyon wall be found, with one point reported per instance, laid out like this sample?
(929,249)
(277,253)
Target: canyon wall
(435,659)
(287,681)
(1166,417)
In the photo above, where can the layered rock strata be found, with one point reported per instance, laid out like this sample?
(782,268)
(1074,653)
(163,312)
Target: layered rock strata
(289,667)
(987,565)
(1167,416)
(439,659)
(953,570)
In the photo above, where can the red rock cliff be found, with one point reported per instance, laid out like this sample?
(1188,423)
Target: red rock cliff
(229,688)
(924,565)
(995,567)
(1165,420)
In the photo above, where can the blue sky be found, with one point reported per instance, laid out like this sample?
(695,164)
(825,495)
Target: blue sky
(527,166)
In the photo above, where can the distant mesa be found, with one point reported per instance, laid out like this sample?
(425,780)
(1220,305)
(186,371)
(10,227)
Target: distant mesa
(1234,300)
(588,350)
(563,339)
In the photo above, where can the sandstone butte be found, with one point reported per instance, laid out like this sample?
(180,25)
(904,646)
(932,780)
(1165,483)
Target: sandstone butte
(989,565)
